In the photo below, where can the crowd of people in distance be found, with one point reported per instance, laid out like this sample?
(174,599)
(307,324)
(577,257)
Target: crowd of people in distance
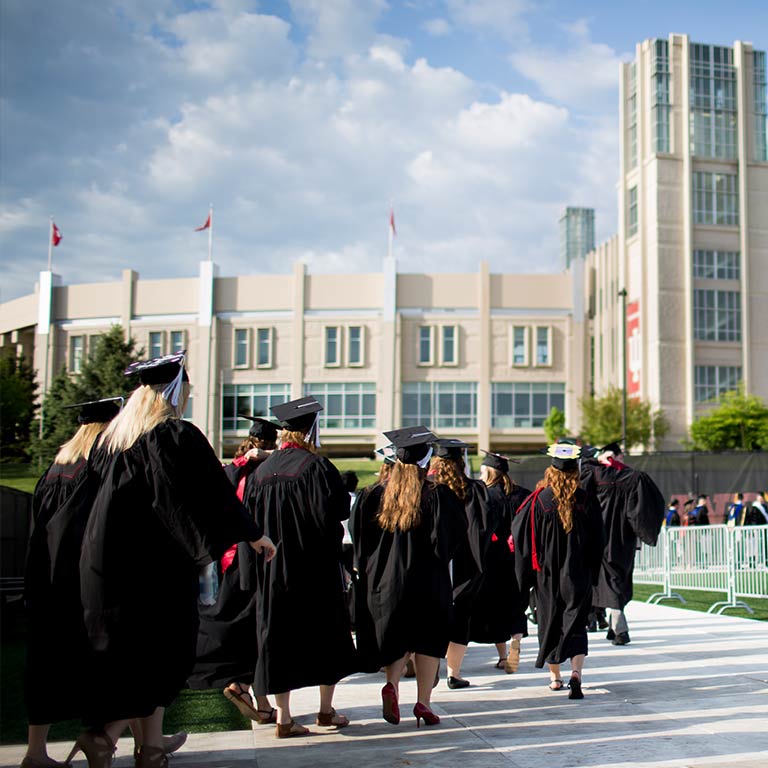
(426,561)
(697,511)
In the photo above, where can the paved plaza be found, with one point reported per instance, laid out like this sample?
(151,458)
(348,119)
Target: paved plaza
(690,690)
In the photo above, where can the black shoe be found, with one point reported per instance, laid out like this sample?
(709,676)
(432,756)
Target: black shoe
(610,635)
(592,626)
(457,682)
(602,623)
(575,688)
(621,639)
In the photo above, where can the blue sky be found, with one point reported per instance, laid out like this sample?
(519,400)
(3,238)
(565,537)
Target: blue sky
(301,119)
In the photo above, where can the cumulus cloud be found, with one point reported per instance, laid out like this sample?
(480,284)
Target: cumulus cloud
(437,27)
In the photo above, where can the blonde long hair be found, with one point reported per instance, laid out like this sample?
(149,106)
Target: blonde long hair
(145,409)
(400,506)
(492,476)
(450,472)
(297,438)
(80,444)
(564,484)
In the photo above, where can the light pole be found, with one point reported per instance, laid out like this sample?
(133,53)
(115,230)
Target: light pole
(623,296)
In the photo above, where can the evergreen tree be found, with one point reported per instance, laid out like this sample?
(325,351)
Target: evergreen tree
(100,376)
(601,420)
(17,407)
(740,422)
(554,425)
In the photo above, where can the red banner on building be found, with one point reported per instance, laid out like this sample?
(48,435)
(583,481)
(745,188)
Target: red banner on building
(634,353)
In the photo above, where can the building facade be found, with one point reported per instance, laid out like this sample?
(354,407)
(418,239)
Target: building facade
(577,234)
(483,357)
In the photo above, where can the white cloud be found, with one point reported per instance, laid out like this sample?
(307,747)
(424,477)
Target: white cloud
(437,27)
(502,17)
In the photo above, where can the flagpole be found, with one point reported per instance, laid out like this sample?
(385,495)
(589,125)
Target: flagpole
(391,229)
(50,244)
(210,233)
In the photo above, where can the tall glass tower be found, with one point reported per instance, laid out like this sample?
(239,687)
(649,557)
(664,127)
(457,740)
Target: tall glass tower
(577,234)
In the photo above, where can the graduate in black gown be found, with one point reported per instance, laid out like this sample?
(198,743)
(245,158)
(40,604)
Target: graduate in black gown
(558,540)
(632,508)
(53,657)
(300,501)
(226,640)
(497,612)
(164,510)
(448,467)
(405,533)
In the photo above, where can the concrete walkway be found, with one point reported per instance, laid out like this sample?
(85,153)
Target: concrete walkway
(690,690)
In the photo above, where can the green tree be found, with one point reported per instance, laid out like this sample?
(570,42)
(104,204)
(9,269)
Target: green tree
(17,407)
(601,420)
(740,422)
(554,425)
(101,375)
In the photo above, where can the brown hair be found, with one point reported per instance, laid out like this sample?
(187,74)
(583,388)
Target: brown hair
(450,472)
(385,470)
(400,507)
(492,476)
(253,442)
(297,438)
(564,484)
(80,444)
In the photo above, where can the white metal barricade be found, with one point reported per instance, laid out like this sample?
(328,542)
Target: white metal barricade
(713,558)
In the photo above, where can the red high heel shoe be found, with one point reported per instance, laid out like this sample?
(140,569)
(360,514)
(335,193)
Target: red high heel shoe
(390,709)
(423,712)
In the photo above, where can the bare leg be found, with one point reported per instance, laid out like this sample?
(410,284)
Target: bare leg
(426,669)
(577,664)
(115,729)
(501,649)
(554,674)
(37,742)
(152,729)
(283,704)
(395,672)
(454,657)
(262,704)
(326,697)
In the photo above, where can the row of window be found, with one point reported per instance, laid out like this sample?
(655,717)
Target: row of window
(717,265)
(716,315)
(712,381)
(438,405)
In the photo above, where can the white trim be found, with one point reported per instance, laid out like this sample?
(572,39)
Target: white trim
(88,322)
(342,313)
(361,363)
(529,313)
(70,350)
(181,317)
(247,363)
(526,346)
(455,362)
(150,353)
(339,346)
(550,355)
(425,363)
(270,357)
(424,312)
(276,314)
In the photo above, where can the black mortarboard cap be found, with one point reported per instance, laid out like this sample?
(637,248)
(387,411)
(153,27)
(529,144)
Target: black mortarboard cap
(262,429)
(411,443)
(98,411)
(450,448)
(158,370)
(614,447)
(497,461)
(298,414)
(564,455)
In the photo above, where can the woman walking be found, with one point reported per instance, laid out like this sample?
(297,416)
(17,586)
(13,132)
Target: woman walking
(405,534)
(558,539)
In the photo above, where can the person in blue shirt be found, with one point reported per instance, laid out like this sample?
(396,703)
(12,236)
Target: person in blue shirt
(699,515)
(734,513)
(672,516)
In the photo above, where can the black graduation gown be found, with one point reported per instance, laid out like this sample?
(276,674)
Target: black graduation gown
(569,566)
(56,637)
(469,561)
(498,611)
(300,500)
(632,508)
(404,594)
(164,510)
(226,639)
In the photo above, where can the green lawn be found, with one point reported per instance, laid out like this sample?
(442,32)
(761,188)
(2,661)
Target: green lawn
(22,477)
(700,601)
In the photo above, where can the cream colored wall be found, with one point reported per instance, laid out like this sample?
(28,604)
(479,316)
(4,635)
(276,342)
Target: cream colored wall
(531,291)
(315,370)
(165,297)
(87,300)
(349,292)
(250,293)
(456,291)
(18,313)
(468,367)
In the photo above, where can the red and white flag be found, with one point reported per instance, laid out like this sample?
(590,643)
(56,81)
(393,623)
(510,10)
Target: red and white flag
(56,236)
(207,224)
(392,221)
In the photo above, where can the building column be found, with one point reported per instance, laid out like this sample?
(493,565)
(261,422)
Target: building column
(45,352)
(297,331)
(388,369)
(484,382)
(127,300)
(205,370)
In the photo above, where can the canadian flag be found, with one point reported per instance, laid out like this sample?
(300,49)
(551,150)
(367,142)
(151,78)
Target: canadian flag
(392,220)
(56,236)
(205,226)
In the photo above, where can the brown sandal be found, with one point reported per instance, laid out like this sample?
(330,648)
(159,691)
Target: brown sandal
(556,685)
(243,701)
(513,659)
(501,664)
(266,716)
(332,718)
(287,730)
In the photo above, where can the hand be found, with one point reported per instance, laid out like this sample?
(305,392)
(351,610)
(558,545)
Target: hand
(256,454)
(265,545)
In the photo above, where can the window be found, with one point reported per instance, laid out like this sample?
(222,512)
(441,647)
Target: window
(661,109)
(187,415)
(632,212)
(632,115)
(713,102)
(264,347)
(177,341)
(543,345)
(155,344)
(716,265)
(253,399)
(241,347)
(76,353)
(717,315)
(713,380)
(345,406)
(426,334)
(516,405)
(449,346)
(715,198)
(332,346)
(519,345)
(440,405)
(355,348)
(761,110)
